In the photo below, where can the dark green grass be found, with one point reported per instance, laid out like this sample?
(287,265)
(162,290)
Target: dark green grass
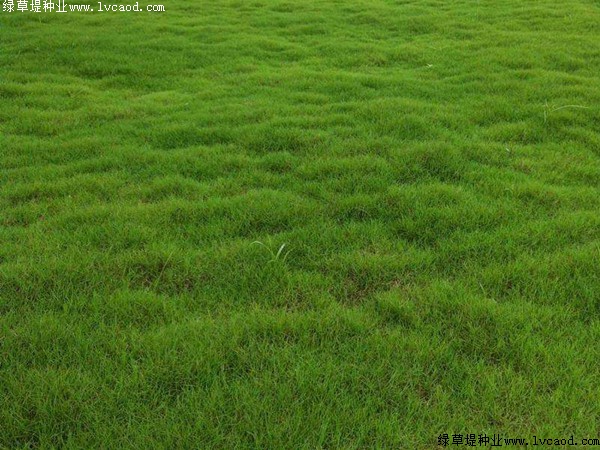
(440,206)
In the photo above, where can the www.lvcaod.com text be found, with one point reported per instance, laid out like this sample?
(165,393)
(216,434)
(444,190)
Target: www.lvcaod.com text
(60,6)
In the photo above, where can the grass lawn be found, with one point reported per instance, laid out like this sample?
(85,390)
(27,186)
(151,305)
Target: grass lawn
(271,224)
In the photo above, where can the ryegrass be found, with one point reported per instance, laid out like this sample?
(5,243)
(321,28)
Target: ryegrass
(432,167)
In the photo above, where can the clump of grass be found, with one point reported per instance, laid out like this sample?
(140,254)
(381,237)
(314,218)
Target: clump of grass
(276,256)
(548,110)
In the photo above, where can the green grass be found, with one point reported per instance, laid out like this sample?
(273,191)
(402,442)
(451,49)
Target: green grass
(439,206)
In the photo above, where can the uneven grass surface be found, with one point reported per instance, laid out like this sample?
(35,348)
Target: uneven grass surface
(439,200)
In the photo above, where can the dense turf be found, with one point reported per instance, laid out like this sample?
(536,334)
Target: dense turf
(432,167)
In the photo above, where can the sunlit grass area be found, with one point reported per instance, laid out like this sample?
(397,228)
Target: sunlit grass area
(319,224)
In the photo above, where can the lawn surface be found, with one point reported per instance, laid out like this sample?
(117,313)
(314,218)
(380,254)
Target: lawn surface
(432,167)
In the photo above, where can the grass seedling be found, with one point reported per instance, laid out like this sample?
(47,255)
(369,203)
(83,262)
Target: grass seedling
(276,256)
